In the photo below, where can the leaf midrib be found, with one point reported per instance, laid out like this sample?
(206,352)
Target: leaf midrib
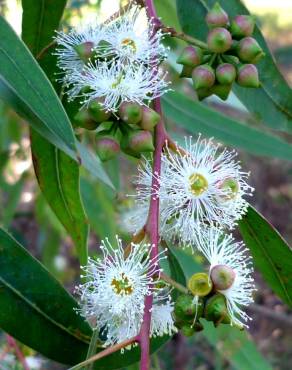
(41,312)
(264,251)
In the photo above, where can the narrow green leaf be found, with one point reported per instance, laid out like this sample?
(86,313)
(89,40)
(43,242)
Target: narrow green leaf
(272,255)
(176,271)
(39,312)
(99,205)
(272,103)
(39,20)
(198,118)
(34,305)
(26,88)
(58,178)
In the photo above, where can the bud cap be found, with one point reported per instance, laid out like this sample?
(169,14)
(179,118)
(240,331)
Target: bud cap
(191,56)
(249,50)
(85,50)
(242,26)
(97,112)
(84,119)
(248,76)
(150,118)
(107,147)
(130,112)
(222,277)
(141,141)
(225,73)
(203,76)
(219,40)
(217,16)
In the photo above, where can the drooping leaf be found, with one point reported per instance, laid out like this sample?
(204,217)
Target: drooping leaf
(271,254)
(58,178)
(272,103)
(39,20)
(36,309)
(39,312)
(176,271)
(197,118)
(25,87)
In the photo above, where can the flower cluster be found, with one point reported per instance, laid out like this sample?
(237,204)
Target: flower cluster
(113,295)
(113,62)
(229,55)
(201,192)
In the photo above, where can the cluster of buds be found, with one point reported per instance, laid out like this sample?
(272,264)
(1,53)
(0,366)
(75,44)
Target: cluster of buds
(230,56)
(130,130)
(205,300)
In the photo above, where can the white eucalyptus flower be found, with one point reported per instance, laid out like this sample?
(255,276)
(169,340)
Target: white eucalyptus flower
(113,296)
(162,322)
(116,83)
(131,38)
(201,186)
(230,268)
(87,37)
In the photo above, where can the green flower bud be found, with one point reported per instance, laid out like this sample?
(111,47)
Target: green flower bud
(217,16)
(149,118)
(204,93)
(107,147)
(186,309)
(203,76)
(248,76)
(200,284)
(130,112)
(242,26)
(84,119)
(225,73)
(191,56)
(216,310)
(137,142)
(222,277)
(249,50)
(85,50)
(219,40)
(97,112)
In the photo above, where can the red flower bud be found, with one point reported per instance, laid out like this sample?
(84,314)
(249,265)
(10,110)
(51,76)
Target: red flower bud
(242,26)
(141,141)
(191,56)
(249,50)
(217,17)
(107,147)
(149,118)
(97,112)
(222,277)
(85,50)
(248,76)
(225,73)
(84,119)
(203,76)
(130,112)
(219,40)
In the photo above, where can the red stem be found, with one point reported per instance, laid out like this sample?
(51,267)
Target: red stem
(152,226)
(12,343)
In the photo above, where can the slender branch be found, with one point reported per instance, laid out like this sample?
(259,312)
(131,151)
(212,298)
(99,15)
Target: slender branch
(173,283)
(108,351)
(184,37)
(152,226)
(45,49)
(12,343)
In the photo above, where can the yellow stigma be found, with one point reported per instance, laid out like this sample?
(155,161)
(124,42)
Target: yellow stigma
(129,43)
(122,285)
(198,184)
(231,187)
